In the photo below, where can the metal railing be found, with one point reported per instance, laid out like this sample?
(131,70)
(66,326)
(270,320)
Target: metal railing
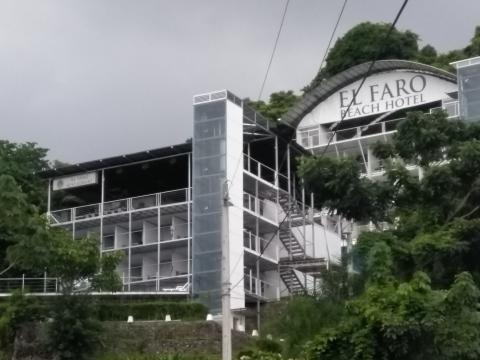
(316,137)
(140,237)
(261,288)
(265,172)
(28,285)
(258,206)
(260,245)
(118,206)
(152,272)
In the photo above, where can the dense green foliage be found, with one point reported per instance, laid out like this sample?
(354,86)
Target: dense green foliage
(151,310)
(138,356)
(279,103)
(114,310)
(28,245)
(15,312)
(23,162)
(420,300)
(362,43)
(365,42)
(300,319)
(74,330)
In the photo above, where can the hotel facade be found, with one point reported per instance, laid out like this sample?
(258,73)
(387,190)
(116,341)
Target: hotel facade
(233,190)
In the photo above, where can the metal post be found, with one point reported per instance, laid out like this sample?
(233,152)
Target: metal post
(102,200)
(74,215)
(49,198)
(189,222)
(288,167)
(226,312)
(159,222)
(23,283)
(304,222)
(277,170)
(45,282)
(313,223)
(129,250)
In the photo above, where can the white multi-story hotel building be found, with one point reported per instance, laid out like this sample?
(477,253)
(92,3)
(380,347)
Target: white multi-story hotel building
(172,210)
(169,210)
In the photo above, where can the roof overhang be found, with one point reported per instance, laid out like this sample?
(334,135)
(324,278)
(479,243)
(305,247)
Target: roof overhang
(94,165)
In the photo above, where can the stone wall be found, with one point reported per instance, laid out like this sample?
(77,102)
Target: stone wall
(148,337)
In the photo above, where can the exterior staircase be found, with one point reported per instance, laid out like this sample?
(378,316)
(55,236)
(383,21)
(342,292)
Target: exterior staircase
(291,281)
(293,246)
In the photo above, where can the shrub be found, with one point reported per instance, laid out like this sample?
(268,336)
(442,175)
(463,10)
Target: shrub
(74,330)
(16,311)
(158,357)
(152,310)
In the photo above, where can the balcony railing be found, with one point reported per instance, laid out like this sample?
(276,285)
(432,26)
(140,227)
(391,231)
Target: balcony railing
(29,285)
(260,288)
(316,137)
(259,207)
(265,172)
(166,269)
(260,245)
(150,236)
(118,206)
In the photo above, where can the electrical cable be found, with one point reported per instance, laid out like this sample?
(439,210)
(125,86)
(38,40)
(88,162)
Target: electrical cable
(333,34)
(367,74)
(274,49)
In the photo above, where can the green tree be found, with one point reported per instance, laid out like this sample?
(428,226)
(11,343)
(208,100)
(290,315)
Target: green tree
(278,105)
(28,244)
(365,42)
(23,162)
(473,49)
(420,300)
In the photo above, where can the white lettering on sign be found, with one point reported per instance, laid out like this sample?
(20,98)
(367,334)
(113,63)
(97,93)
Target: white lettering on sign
(380,93)
(382,97)
(68,182)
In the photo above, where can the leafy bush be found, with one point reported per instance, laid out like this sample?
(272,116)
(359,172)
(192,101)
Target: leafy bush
(158,357)
(74,329)
(261,355)
(262,349)
(16,311)
(298,319)
(152,310)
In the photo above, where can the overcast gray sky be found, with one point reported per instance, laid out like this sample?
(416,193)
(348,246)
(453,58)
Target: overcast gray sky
(95,78)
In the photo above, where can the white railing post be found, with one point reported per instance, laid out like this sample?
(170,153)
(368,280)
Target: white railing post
(56,285)
(23,283)
(384,127)
(45,282)
(259,169)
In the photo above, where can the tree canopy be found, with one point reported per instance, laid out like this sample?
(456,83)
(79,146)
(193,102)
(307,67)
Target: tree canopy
(279,103)
(420,295)
(365,42)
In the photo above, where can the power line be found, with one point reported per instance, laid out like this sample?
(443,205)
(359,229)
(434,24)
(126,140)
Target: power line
(333,34)
(367,74)
(274,49)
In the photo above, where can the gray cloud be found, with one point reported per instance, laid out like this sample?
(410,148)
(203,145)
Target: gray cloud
(89,79)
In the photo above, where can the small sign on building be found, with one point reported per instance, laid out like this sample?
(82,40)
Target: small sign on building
(68,182)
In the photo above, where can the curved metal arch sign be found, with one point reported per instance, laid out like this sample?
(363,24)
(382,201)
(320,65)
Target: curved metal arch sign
(382,92)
